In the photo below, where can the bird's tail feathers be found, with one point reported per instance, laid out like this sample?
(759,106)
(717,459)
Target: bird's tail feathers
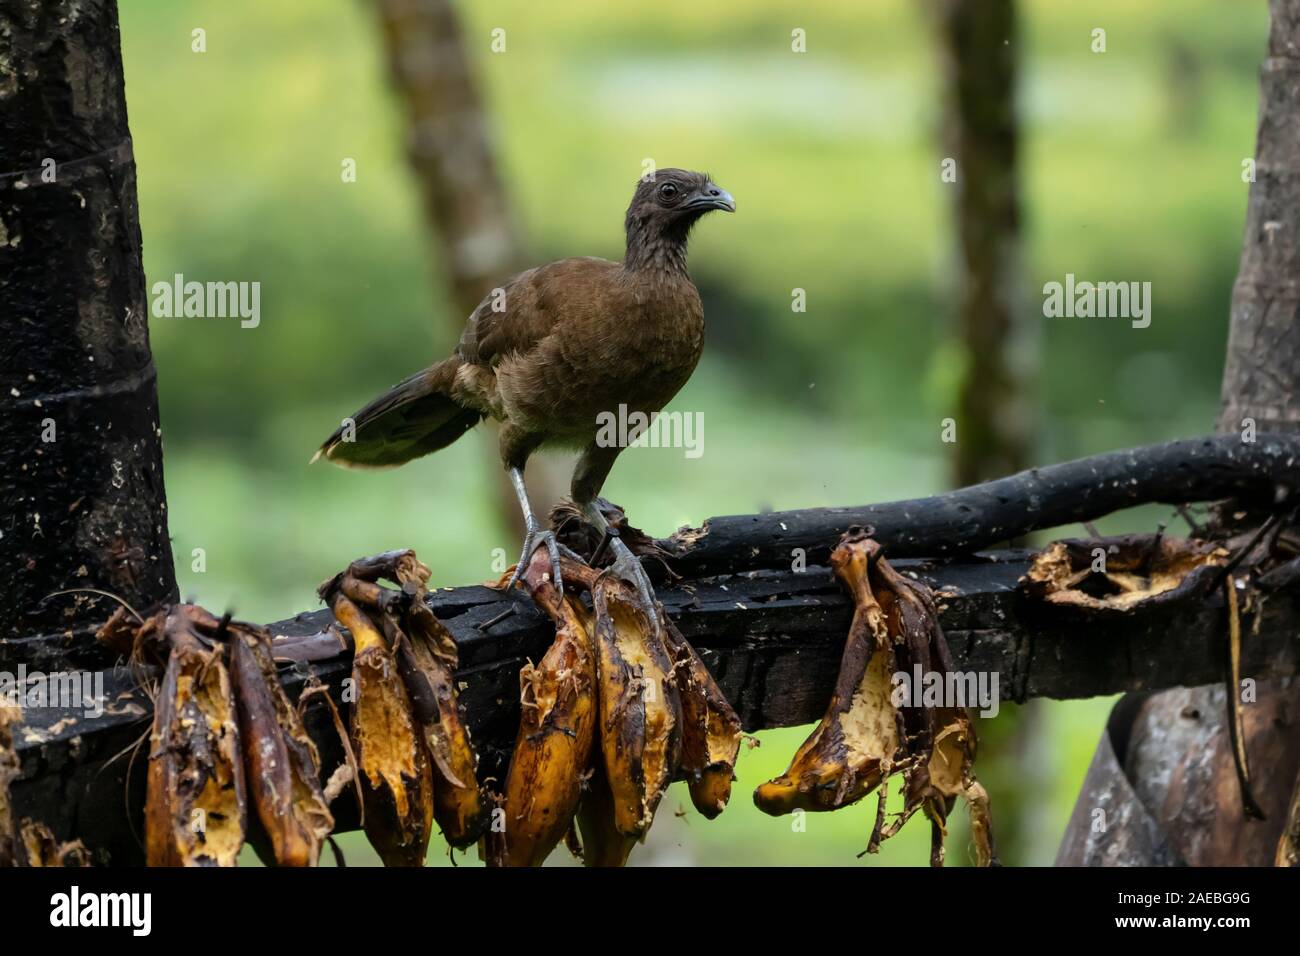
(413,418)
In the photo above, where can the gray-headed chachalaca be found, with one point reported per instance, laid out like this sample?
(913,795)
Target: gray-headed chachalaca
(550,351)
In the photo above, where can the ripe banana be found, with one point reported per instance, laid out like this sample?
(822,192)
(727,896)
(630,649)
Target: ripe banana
(640,707)
(711,729)
(602,844)
(554,744)
(283,765)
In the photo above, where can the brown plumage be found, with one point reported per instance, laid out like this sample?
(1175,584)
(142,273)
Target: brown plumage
(555,347)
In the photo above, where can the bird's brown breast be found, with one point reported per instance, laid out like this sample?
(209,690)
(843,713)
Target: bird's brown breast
(584,337)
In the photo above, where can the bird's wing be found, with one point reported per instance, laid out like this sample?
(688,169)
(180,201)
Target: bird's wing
(515,318)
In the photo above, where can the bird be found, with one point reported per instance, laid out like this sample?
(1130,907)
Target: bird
(550,352)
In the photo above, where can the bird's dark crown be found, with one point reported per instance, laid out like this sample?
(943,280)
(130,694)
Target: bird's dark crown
(666,204)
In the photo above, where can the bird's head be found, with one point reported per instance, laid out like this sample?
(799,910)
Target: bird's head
(666,205)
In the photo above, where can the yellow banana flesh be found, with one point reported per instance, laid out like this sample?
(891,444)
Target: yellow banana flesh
(854,746)
(196,804)
(396,784)
(640,708)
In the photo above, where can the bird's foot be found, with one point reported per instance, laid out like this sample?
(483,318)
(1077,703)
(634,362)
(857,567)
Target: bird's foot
(535,537)
(628,567)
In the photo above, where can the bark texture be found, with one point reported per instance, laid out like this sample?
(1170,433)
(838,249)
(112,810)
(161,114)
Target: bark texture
(1263,360)
(969,519)
(80,449)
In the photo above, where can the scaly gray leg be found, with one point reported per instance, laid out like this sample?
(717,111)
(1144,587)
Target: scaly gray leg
(536,535)
(626,565)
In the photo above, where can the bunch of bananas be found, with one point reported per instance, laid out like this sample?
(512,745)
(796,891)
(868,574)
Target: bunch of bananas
(414,758)
(223,730)
(612,713)
(865,738)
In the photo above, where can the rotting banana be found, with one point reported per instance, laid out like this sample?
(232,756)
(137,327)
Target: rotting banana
(643,690)
(429,662)
(640,707)
(38,847)
(857,742)
(395,775)
(8,773)
(195,811)
(864,736)
(283,764)
(554,745)
(427,659)
(602,844)
(711,729)
(29,844)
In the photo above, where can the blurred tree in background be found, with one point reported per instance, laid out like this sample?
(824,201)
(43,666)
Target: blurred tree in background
(993,338)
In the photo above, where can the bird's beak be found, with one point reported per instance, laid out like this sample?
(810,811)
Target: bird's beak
(712,197)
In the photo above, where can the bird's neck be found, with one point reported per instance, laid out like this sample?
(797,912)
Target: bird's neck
(656,250)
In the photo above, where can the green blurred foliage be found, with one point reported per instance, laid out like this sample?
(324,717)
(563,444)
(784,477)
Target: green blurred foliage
(1133,172)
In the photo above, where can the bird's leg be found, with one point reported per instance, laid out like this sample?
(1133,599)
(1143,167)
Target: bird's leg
(535,535)
(626,565)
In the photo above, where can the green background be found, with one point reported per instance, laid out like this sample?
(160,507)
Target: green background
(1132,171)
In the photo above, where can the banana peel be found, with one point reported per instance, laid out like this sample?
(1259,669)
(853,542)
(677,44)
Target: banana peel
(711,730)
(8,773)
(858,741)
(640,707)
(427,659)
(38,847)
(196,804)
(865,738)
(393,764)
(554,745)
(1131,573)
(282,761)
(602,845)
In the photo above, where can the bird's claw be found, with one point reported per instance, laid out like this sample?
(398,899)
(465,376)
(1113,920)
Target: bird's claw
(628,567)
(536,537)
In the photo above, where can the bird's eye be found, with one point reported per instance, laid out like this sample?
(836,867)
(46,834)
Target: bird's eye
(667,190)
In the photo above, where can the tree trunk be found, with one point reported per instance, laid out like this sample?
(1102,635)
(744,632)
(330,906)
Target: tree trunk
(80,446)
(1262,370)
(449,148)
(1164,771)
(980,47)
